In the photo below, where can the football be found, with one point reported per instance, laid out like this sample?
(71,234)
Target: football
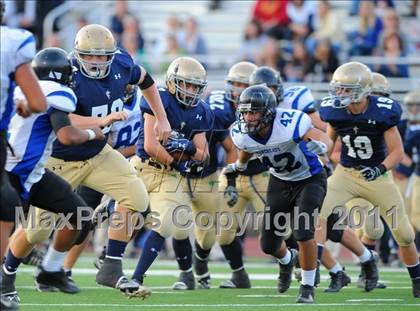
(180,156)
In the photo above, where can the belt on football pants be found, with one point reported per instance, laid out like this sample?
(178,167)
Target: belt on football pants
(156,164)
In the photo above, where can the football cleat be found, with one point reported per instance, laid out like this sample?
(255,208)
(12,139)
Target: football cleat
(9,295)
(338,281)
(141,291)
(202,273)
(7,304)
(306,294)
(46,281)
(111,275)
(239,279)
(370,270)
(285,277)
(185,281)
(416,287)
(34,258)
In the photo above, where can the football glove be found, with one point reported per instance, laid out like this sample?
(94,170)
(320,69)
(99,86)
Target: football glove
(231,195)
(234,168)
(317,147)
(182,145)
(371,173)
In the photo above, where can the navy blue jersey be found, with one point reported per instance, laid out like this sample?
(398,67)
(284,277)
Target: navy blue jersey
(412,145)
(99,98)
(225,116)
(186,120)
(362,135)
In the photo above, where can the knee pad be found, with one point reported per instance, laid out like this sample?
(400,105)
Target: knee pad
(137,198)
(404,237)
(371,232)
(269,246)
(302,235)
(333,234)
(36,235)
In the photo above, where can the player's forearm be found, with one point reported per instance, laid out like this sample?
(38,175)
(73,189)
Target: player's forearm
(85,122)
(151,94)
(201,155)
(406,161)
(157,152)
(393,158)
(244,156)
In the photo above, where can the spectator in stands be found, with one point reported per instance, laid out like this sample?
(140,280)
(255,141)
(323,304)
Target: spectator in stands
(326,24)
(323,63)
(272,16)
(301,14)
(253,40)
(365,39)
(173,50)
(392,49)
(173,27)
(192,40)
(297,67)
(379,4)
(117,26)
(271,56)
(391,23)
(132,39)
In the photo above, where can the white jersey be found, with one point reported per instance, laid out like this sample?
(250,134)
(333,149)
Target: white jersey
(299,98)
(17,48)
(31,138)
(126,133)
(283,151)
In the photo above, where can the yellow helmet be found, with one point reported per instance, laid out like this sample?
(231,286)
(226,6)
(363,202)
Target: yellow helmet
(97,40)
(412,105)
(354,79)
(183,73)
(380,85)
(240,73)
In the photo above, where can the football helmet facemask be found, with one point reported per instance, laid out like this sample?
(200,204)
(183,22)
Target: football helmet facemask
(350,83)
(238,73)
(269,77)
(186,79)
(94,40)
(256,98)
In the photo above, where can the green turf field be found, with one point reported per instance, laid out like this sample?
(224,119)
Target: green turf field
(263,295)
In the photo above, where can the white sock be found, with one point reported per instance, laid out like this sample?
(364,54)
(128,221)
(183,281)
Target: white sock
(286,258)
(365,256)
(308,277)
(336,268)
(53,260)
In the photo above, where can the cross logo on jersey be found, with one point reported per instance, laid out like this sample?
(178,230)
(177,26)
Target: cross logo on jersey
(182,125)
(108,94)
(355,130)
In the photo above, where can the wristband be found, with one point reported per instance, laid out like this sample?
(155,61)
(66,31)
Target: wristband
(382,168)
(91,134)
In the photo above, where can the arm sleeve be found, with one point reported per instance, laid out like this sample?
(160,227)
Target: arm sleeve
(58,119)
(303,124)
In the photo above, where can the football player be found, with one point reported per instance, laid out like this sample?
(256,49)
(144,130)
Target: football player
(17,51)
(159,164)
(122,137)
(103,71)
(284,140)
(251,184)
(412,149)
(31,139)
(365,124)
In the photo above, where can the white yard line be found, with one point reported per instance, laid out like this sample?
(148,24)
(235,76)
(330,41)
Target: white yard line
(374,299)
(211,305)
